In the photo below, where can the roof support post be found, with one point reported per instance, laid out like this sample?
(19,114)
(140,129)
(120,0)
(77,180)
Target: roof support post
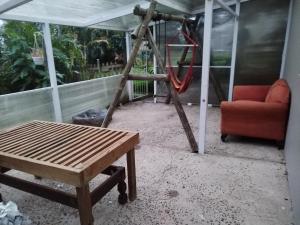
(154,65)
(234,50)
(205,72)
(287,37)
(128,50)
(52,72)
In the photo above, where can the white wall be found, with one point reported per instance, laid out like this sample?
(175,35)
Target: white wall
(292,148)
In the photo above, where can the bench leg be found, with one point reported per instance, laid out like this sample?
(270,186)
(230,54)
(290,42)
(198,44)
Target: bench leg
(131,175)
(84,205)
(122,193)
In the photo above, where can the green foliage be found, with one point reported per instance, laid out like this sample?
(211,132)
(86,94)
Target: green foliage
(67,51)
(144,57)
(71,48)
(221,58)
(17,70)
(99,49)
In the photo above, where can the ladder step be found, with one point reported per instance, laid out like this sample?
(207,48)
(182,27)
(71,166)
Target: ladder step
(151,77)
(181,45)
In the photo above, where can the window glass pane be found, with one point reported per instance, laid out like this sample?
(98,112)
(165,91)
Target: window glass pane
(87,53)
(262,30)
(222,37)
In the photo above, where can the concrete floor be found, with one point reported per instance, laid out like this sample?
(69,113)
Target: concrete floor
(240,182)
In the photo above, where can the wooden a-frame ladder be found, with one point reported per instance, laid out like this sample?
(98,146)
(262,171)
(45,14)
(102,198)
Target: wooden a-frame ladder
(144,31)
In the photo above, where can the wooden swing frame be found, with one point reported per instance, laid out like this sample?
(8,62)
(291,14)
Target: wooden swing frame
(143,32)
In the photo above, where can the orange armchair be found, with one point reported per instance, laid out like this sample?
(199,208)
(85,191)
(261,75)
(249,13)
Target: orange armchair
(257,111)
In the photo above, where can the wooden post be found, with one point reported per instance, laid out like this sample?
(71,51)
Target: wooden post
(130,62)
(185,123)
(131,175)
(84,205)
(138,11)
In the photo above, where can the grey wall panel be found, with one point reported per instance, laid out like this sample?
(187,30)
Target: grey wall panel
(292,148)
(261,39)
(25,106)
(93,94)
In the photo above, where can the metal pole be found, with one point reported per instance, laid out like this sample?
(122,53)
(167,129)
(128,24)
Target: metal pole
(287,37)
(155,66)
(52,72)
(205,73)
(128,50)
(227,8)
(234,50)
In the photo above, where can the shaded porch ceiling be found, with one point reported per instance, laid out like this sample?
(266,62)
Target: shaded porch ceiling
(105,14)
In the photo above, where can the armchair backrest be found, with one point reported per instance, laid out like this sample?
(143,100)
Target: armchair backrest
(279,93)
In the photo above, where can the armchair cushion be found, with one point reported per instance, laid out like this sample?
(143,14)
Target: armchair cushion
(279,93)
(250,92)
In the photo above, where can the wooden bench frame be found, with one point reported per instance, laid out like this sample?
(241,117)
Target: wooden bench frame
(71,154)
(83,200)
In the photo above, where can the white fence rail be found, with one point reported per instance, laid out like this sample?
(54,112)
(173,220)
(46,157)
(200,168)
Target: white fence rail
(24,106)
(18,108)
(91,94)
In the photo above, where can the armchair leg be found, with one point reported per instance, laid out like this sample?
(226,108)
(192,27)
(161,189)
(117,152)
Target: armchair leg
(224,137)
(280,144)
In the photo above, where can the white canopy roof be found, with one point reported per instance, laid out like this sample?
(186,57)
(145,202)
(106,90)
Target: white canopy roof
(107,14)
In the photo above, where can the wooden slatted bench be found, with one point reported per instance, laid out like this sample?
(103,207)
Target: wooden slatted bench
(72,154)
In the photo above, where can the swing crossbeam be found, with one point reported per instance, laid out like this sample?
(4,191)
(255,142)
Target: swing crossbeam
(182,45)
(156,16)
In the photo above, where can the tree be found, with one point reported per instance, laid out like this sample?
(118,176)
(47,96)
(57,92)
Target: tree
(71,48)
(17,70)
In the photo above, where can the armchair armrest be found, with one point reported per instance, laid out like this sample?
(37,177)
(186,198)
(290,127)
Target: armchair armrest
(254,119)
(254,109)
(250,92)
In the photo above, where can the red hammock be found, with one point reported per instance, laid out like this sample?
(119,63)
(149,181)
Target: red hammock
(182,85)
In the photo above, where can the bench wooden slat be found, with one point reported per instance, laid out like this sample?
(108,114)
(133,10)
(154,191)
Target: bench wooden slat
(70,146)
(20,136)
(50,145)
(41,140)
(16,130)
(88,153)
(78,149)
(30,134)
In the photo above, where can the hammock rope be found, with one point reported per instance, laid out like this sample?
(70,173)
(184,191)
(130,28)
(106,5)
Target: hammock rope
(181,85)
